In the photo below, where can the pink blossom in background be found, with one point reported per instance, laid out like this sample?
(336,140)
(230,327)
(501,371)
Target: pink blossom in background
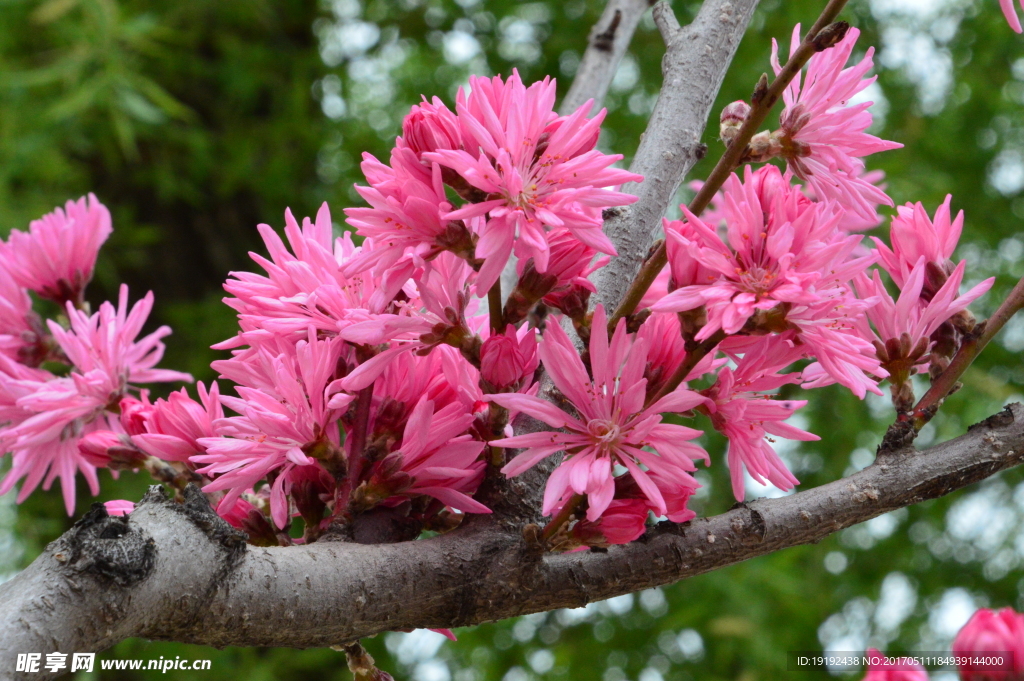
(742,410)
(901,669)
(119,507)
(51,414)
(988,632)
(541,169)
(826,133)
(613,424)
(914,236)
(55,258)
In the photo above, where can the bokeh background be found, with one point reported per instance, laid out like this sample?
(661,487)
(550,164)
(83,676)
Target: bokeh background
(194,120)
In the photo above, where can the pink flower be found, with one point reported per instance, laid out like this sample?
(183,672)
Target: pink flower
(787,261)
(776,255)
(823,137)
(55,258)
(882,668)
(51,414)
(119,507)
(1011,14)
(104,350)
(989,632)
(912,321)
(430,126)
(173,427)
(742,412)
(541,170)
(288,406)
(407,202)
(305,286)
(442,461)
(623,521)
(915,236)
(507,358)
(107,449)
(613,425)
(20,327)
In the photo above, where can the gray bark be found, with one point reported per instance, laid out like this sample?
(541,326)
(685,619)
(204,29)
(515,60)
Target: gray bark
(96,586)
(694,66)
(608,42)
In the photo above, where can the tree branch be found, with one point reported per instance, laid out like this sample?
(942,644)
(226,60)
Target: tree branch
(96,586)
(694,65)
(608,42)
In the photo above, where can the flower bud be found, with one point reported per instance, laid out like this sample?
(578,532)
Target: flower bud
(989,632)
(505,359)
(134,414)
(732,119)
(429,127)
(107,449)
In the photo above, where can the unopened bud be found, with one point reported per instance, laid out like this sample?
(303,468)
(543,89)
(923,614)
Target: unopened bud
(764,146)
(134,414)
(732,118)
(831,35)
(107,449)
(760,90)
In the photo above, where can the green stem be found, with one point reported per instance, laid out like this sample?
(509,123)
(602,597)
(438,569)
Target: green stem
(732,157)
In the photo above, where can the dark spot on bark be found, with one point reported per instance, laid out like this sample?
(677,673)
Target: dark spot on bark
(107,547)
(605,40)
(899,436)
(1000,420)
(700,151)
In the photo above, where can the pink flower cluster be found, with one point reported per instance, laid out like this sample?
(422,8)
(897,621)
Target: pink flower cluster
(44,416)
(377,385)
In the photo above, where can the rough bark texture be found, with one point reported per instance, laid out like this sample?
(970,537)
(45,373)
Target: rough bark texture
(695,63)
(179,573)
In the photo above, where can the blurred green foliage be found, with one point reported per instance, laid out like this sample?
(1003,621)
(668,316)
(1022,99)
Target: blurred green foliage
(195,120)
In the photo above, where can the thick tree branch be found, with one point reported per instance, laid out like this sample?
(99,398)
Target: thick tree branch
(98,585)
(609,40)
(694,66)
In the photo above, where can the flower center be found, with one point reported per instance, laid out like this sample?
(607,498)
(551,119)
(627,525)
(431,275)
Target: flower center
(605,433)
(756,279)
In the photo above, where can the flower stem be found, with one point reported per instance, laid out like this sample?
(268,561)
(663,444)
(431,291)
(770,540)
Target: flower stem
(692,359)
(563,516)
(929,403)
(763,101)
(494,306)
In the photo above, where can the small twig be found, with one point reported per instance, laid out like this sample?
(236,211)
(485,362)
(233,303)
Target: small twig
(563,516)
(929,403)
(734,153)
(693,357)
